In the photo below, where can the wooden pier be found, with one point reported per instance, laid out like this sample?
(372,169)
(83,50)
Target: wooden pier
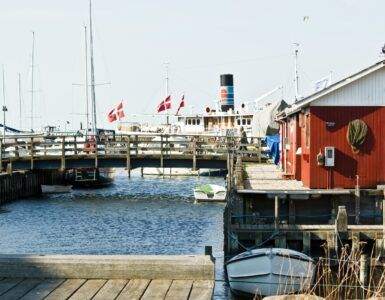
(265,209)
(83,277)
(63,152)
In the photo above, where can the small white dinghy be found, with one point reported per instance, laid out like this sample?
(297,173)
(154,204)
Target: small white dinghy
(270,272)
(55,189)
(210,192)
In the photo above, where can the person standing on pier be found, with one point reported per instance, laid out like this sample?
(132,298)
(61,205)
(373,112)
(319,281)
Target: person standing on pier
(243,140)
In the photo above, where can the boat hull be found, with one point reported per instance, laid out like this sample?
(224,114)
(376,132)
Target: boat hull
(202,197)
(214,193)
(93,178)
(55,189)
(269,272)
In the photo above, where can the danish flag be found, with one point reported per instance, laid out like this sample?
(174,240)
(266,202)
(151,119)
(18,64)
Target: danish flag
(116,113)
(181,104)
(165,104)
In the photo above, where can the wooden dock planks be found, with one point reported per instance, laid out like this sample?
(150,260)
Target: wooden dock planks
(157,289)
(111,289)
(134,289)
(104,289)
(43,289)
(202,290)
(88,289)
(8,283)
(21,289)
(179,290)
(66,289)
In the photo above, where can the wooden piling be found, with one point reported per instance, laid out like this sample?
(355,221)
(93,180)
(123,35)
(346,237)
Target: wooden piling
(364,269)
(276,212)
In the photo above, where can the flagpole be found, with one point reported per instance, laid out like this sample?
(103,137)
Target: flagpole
(167,90)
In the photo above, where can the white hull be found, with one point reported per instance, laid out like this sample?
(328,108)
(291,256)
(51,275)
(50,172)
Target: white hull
(218,195)
(54,189)
(270,271)
(170,172)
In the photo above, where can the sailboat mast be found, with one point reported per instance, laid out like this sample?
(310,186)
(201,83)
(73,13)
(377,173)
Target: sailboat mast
(93,100)
(4,104)
(20,101)
(32,76)
(86,79)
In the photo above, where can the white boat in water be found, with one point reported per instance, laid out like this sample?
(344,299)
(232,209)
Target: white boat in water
(55,188)
(210,192)
(270,271)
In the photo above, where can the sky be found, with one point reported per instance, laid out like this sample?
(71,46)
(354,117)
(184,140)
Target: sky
(252,39)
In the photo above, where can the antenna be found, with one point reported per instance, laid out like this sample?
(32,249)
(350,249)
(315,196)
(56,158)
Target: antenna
(296,77)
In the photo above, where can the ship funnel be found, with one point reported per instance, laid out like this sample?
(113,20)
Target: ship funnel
(227,92)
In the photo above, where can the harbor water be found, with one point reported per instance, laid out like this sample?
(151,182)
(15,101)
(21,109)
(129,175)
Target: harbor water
(151,215)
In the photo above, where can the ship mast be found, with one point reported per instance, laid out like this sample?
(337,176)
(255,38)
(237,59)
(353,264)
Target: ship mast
(86,80)
(93,100)
(32,76)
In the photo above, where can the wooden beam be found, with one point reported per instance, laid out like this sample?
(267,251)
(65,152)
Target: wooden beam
(128,157)
(306,242)
(276,211)
(194,166)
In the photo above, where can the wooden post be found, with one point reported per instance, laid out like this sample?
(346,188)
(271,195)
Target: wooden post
(31,152)
(355,242)
(63,154)
(128,157)
(75,146)
(306,242)
(161,153)
(258,238)
(280,241)
(291,211)
(342,220)
(1,155)
(96,153)
(364,268)
(194,167)
(16,149)
(383,224)
(357,204)
(276,212)
(229,173)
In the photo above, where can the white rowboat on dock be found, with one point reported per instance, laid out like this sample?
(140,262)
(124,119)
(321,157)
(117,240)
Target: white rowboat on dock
(270,271)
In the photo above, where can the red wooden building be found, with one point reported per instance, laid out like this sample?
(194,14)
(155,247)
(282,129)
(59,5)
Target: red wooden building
(314,130)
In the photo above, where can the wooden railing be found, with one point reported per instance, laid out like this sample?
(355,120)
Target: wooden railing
(161,146)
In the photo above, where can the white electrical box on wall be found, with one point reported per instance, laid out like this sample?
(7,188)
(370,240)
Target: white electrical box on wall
(329,156)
